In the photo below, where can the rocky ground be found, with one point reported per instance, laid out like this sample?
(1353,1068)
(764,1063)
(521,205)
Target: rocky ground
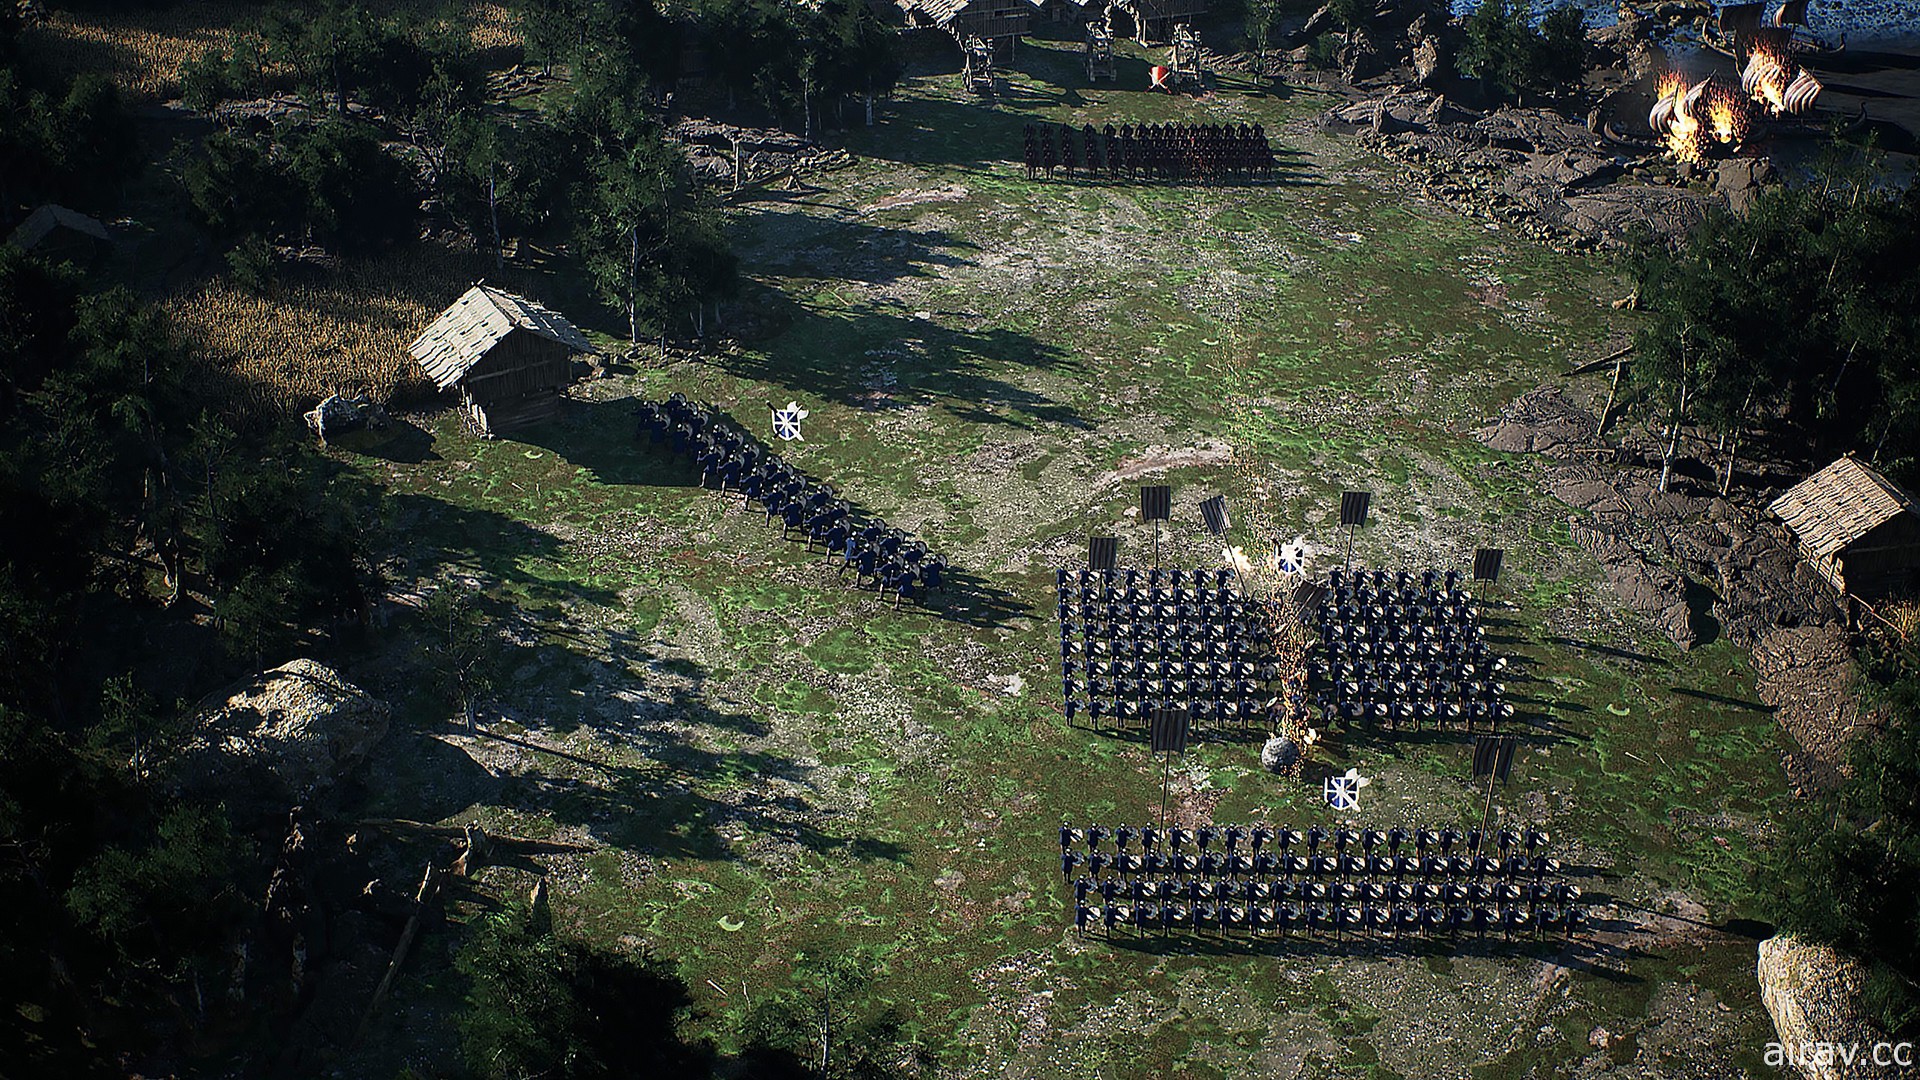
(1699,565)
(1583,170)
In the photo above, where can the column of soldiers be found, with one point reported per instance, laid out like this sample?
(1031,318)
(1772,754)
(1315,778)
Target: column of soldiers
(729,458)
(1208,153)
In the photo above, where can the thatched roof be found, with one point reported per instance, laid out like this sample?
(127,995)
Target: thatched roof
(50,217)
(1840,504)
(476,323)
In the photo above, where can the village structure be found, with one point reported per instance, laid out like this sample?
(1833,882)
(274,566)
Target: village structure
(960,539)
(507,358)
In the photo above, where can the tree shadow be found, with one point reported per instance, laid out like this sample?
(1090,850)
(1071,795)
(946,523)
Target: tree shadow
(853,250)
(885,358)
(1722,699)
(711,782)
(433,536)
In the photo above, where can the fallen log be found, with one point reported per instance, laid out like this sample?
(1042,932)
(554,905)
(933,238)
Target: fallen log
(521,844)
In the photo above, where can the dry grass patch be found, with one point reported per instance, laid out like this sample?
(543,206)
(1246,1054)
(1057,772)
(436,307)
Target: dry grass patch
(143,51)
(345,332)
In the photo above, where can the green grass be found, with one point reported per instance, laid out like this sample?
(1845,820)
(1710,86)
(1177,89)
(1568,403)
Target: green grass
(976,356)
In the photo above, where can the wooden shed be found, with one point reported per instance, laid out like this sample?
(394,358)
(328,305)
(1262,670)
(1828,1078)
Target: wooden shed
(1856,527)
(1154,20)
(508,357)
(994,20)
(61,235)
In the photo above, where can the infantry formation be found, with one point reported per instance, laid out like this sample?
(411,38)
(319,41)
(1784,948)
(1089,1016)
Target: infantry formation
(730,459)
(1207,153)
(1275,881)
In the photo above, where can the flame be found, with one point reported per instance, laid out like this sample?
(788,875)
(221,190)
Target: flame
(1776,82)
(1692,118)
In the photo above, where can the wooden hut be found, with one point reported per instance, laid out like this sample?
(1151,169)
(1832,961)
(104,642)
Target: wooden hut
(61,235)
(1154,20)
(1001,23)
(1856,527)
(508,357)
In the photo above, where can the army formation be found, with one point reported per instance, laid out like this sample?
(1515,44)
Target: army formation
(730,459)
(1207,153)
(1269,882)
(1403,651)
(1134,641)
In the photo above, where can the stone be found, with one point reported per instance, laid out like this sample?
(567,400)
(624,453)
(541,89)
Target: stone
(1740,181)
(336,414)
(1813,993)
(299,728)
(1428,70)
(1279,754)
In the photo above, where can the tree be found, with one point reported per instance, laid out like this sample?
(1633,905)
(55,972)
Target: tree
(63,140)
(541,1004)
(1800,314)
(463,648)
(358,197)
(238,188)
(830,1025)
(1506,51)
(1262,18)
(650,243)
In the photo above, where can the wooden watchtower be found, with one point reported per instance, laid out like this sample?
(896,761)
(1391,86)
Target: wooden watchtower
(1184,66)
(1099,52)
(978,75)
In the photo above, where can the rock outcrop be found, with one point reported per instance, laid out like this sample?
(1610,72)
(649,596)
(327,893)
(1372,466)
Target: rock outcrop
(1544,173)
(293,731)
(1813,993)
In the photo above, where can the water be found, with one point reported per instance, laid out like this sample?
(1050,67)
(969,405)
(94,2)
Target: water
(1861,21)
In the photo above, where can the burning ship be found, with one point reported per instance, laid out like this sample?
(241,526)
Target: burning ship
(1694,119)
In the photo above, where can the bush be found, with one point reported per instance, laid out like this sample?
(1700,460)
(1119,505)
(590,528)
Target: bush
(251,264)
(1505,51)
(542,1004)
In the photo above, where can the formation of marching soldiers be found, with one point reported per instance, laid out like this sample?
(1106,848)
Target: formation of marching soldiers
(729,458)
(1209,153)
(1398,649)
(1280,880)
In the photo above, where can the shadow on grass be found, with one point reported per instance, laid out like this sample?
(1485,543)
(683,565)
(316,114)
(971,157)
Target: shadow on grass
(1581,954)
(884,359)
(1608,650)
(1722,699)
(700,793)
(438,536)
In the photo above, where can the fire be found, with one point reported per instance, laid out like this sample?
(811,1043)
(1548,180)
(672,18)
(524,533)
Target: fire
(1775,82)
(1693,118)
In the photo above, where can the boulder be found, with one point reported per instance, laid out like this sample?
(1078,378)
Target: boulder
(1280,754)
(336,414)
(294,730)
(1541,421)
(1645,62)
(1428,70)
(1813,992)
(1740,180)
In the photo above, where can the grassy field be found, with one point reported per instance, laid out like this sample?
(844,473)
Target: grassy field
(774,767)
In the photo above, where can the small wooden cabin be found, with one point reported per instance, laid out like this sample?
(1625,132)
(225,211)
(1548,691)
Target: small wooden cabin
(61,235)
(1154,20)
(1856,527)
(999,22)
(509,358)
